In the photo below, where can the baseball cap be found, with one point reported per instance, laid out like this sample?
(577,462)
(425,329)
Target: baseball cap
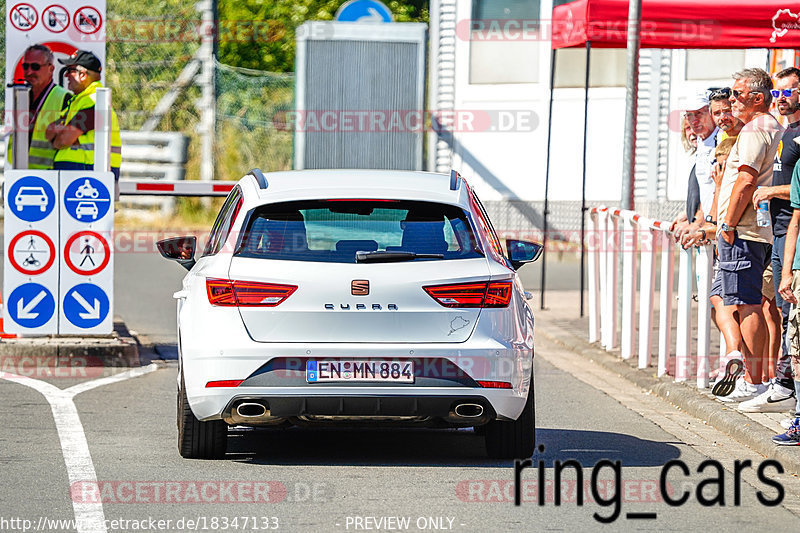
(83,58)
(698,101)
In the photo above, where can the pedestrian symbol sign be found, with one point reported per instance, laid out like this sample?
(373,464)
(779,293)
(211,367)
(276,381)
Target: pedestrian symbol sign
(87,253)
(31,198)
(86,305)
(87,199)
(31,305)
(31,252)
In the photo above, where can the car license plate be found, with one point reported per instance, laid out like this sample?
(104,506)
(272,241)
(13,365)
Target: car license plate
(360,370)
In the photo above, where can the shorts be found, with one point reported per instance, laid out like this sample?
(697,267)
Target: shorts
(768,285)
(742,267)
(793,328)
(716,283)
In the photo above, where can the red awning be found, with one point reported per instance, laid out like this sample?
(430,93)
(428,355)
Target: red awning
(680,24)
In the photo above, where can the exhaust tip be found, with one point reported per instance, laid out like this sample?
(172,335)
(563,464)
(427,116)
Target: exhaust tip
(468,410)
(251,410)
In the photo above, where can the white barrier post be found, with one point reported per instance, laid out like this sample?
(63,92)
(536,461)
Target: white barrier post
(594,274)
(628,240)
(647,288)
(605,328)
(612,295)
(665,304)
(683,341)
(705,269)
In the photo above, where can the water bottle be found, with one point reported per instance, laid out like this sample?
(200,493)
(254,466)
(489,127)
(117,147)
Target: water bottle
(763,219)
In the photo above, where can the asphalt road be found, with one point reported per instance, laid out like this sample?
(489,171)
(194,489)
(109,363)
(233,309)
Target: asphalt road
(335,479)
(103,449)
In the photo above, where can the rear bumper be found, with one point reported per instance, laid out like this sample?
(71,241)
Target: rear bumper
(455,409)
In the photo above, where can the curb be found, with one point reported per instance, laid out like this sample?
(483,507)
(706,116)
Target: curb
(721,418)
(119,349)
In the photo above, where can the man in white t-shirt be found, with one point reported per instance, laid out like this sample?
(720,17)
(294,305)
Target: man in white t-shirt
(744,247)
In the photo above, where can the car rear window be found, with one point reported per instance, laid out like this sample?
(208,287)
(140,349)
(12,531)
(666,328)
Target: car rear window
(333,231)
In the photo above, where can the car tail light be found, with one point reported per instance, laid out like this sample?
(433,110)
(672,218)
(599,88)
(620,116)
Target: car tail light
(225,292)
(480,294)
(495,384)
(225,383)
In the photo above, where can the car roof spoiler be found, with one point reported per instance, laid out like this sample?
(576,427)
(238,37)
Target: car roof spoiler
(455,177)
(259,176)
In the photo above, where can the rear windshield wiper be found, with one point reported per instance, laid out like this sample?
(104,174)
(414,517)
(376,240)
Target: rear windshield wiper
(391,257)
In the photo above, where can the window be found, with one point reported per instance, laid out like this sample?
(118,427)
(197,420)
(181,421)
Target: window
(608,67)
(222,226)
(713,64)
(504,41)
(334,230)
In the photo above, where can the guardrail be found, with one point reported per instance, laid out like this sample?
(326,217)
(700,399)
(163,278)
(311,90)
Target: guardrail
(615,231)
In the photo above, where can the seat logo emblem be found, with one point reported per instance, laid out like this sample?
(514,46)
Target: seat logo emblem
(359,287)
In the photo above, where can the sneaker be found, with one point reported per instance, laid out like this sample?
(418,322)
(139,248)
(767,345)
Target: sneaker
(776,399)
(743,391)
(791,437)
(733,369)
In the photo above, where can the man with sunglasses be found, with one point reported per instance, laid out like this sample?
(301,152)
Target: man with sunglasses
(47,102)
(780,395)
(73,134)
(743,245)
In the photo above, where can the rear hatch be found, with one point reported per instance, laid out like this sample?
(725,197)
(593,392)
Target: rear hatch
(360,268)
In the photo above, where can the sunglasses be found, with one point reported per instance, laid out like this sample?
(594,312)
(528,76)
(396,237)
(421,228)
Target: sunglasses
(716,93)
(783,92)
(32,66)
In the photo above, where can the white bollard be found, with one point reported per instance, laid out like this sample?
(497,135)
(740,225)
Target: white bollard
(647,288)
(628,239)
(665,303)
(683,340)
(594,275)
(605,328)
(612,294)
(705,267)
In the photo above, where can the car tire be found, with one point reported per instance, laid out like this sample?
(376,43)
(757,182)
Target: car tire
(513,439)
(196,439)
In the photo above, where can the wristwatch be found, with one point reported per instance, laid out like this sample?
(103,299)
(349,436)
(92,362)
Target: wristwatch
(726,227)
(709,218)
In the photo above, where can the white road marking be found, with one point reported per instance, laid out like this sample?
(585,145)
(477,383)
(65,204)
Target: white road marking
(89,517)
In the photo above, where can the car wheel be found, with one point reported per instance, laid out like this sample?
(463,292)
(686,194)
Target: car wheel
(196,439)
(513,440)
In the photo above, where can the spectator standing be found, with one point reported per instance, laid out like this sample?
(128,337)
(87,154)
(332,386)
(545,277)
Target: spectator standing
(780,395)
(743,246)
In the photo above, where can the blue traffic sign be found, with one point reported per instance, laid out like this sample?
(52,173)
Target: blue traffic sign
(86,305)
(364,11)
(31,305)
(32,198)
(87,199)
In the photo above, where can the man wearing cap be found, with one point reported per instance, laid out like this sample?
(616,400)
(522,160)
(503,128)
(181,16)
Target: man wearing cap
(701,185)
(73,135)
(47,102)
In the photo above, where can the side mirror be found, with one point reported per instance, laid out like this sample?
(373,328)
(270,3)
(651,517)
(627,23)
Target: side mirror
(523,252)
(180,249)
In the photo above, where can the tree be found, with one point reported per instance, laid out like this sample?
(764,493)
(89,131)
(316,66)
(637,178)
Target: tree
(260,34)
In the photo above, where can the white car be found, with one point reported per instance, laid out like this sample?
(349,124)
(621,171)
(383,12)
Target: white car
(353,297)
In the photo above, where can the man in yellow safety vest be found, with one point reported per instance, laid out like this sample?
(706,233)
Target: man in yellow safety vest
(47,102)
(73,134)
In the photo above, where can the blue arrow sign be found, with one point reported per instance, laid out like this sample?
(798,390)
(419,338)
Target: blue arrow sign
(31,305)
(364,11)
(86,305)
(87,199)
(31,198)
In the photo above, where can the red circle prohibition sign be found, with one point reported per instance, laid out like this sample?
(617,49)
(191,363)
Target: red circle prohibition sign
(80,13)
(64,12)
(42,236)
(16,9)
(93,271)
